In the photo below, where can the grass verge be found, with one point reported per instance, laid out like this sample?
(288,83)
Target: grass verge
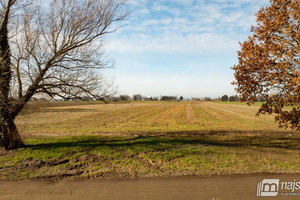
(168,154)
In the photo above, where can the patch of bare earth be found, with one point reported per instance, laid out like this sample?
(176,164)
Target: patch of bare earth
(210,188)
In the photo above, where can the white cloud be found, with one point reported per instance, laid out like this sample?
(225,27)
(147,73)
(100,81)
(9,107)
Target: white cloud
(190,29)
(158,7)
(202,26)
(167,43)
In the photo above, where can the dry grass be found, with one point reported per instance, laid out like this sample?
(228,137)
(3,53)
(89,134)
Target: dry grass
(140,118)
(148,139)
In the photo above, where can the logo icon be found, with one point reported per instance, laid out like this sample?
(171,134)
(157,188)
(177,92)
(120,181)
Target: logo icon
(268,188)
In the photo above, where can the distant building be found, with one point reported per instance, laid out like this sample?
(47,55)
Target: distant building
(147,99)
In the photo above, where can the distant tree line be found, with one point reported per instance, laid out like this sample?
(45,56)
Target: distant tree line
(168,98)
(114,98)
(139,97)
(230,98)
(236,98)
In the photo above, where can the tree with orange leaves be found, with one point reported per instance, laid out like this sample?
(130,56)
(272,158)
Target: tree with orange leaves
(269,63)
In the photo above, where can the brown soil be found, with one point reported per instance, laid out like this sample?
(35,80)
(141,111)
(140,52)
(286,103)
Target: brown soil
(211,188)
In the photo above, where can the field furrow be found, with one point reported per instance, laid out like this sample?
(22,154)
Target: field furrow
(139,118)
(190,114)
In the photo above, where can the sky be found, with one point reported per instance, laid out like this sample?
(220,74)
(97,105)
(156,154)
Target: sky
(180,47)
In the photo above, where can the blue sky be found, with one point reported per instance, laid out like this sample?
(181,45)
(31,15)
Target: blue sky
(180,47)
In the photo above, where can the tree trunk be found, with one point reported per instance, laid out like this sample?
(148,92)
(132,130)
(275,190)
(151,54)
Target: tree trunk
(9,136)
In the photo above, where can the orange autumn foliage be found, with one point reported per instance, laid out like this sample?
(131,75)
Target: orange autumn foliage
(269,62)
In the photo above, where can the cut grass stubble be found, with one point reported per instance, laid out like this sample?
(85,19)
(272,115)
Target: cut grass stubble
(147,140)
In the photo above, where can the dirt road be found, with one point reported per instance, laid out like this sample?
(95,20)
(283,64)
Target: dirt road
(211,188)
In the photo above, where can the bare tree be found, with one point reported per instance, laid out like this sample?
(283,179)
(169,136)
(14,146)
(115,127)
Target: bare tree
(137,97)
(125,97)
(53,48)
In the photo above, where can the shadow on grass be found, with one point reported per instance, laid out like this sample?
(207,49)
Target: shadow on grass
(233,139)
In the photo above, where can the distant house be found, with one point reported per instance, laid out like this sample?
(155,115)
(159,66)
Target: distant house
(147,99)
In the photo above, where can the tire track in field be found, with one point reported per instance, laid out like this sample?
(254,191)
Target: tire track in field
(121,116)
(180,117)
(245,109)
(120,121)
(240,117)
(206,117)
(190,114)
(66,113)
(101,118)
(148,118)
(144,113)
(233,112)
(214,114)
(169,115)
